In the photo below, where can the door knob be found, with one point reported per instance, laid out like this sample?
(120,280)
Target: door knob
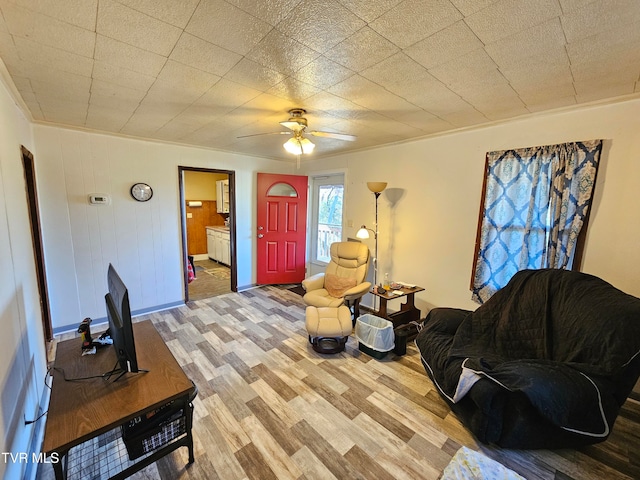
(260,228)
(260,235)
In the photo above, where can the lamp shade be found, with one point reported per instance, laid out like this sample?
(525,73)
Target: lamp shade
(363,232)
(293,146)
(376,187)
(307,145)
(299,145)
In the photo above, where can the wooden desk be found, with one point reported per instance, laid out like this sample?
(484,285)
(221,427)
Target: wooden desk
(408,311)
(84,409)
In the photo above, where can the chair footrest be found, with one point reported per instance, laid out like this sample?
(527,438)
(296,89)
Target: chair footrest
(328,344)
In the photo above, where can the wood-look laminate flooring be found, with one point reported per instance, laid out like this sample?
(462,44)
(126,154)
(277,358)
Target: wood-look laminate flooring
(269,407)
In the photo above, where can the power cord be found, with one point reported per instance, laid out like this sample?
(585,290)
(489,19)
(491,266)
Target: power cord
(29,422)
(419,326)
(64,376)
(76,379)
(104,376)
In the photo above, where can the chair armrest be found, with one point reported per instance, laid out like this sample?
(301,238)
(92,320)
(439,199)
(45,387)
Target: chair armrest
(357,291)
(314,282)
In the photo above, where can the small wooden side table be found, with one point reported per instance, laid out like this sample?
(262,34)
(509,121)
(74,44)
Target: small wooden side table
(408,311)
(81,410)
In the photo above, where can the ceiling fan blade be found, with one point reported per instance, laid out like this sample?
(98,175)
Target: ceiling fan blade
(292,125)
(337,136)
(268,133)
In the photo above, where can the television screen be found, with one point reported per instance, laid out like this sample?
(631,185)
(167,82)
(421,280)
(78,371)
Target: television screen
(120,323)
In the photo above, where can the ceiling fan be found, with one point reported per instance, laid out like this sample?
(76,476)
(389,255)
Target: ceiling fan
(299,144)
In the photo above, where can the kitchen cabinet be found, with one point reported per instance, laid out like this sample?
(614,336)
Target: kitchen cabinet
(222,196)
(211,243)
(225,253)
(218,244)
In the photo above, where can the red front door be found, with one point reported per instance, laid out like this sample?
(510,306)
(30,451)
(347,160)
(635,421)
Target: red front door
(282,234)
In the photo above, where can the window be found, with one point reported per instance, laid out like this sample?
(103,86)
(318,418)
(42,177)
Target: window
(282,190)
(534,211)
(327,200)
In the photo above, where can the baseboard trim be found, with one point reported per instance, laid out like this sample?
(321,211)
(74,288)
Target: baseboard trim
(103,320)
(37,436)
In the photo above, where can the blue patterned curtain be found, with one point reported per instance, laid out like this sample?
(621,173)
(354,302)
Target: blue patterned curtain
(536,200)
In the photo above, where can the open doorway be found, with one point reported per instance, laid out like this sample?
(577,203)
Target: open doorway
(207,198)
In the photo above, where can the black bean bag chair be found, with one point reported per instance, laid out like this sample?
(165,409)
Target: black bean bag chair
(546,362)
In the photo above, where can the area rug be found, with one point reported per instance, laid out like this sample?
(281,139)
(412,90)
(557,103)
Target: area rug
(468,464)
(297,289)
(221,273)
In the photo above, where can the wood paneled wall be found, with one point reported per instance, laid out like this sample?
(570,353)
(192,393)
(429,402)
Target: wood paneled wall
(201,217)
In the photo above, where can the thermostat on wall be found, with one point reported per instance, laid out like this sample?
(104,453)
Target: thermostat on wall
(99,199)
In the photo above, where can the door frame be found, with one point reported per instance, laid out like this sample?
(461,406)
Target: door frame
(232,224)
(36,237)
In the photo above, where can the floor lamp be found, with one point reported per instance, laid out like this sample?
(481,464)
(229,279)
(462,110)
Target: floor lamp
(376,188)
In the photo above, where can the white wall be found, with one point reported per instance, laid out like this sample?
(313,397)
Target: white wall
(202,185)
(142,240)
(427,236)
(427,232)
(22,347)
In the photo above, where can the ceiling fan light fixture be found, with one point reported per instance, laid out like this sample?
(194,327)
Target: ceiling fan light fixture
(293,146)
(307,145)
(299,146)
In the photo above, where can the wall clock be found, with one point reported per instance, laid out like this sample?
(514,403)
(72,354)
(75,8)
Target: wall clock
(141,192)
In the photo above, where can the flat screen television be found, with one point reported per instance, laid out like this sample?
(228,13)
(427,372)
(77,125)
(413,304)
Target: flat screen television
(120,324)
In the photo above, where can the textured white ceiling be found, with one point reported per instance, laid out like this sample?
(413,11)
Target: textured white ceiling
(204,72)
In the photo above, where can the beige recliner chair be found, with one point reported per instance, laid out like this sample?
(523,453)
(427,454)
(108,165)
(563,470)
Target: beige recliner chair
(343,282)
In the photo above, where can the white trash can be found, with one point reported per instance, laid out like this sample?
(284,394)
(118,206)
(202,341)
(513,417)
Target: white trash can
(375,335)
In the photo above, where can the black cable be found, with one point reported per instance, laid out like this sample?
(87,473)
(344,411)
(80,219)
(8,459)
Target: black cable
(29,422)
(48,374)
(64,376)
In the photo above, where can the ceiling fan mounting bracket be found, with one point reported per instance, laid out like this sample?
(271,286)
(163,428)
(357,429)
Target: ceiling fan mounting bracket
(296,116)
